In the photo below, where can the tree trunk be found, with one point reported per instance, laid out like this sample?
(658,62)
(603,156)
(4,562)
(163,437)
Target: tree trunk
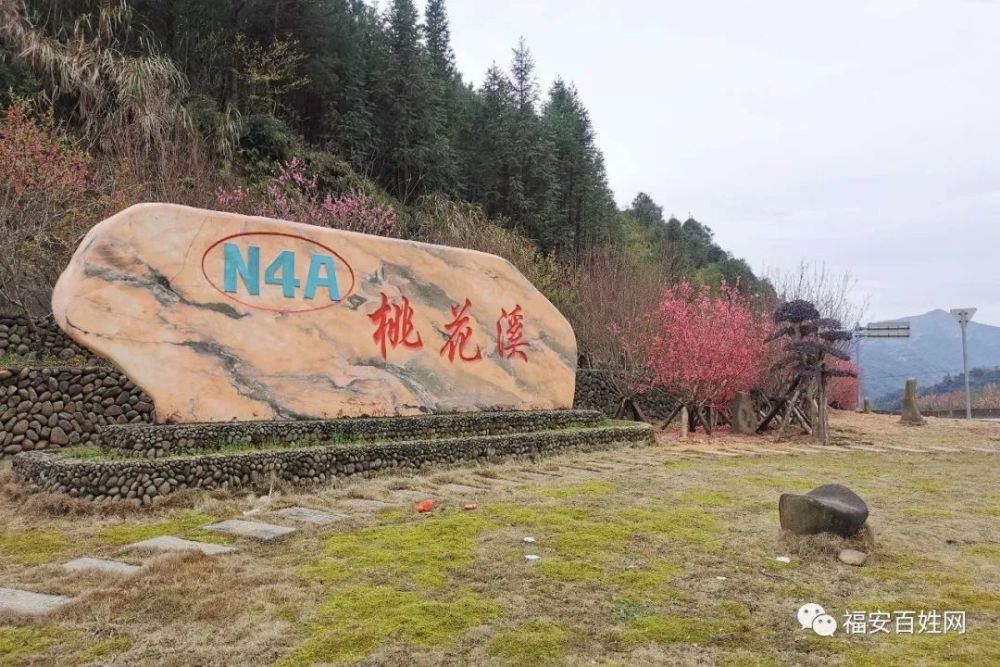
(821,425)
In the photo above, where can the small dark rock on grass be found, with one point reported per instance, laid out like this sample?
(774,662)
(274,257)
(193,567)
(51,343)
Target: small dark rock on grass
(831,508)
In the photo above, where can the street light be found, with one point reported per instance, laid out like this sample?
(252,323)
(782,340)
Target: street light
(964,316)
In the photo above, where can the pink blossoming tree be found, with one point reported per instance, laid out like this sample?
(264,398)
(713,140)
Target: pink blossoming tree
(705,348)
(294,195)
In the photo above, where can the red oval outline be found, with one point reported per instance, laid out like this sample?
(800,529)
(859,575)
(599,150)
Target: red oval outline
(277,310)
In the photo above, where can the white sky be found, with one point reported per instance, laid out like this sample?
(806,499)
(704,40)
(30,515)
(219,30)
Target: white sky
(862,134)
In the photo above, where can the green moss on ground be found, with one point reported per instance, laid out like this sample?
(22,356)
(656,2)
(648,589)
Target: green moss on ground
(357,619)
(25,646)
(21,646)
(673,629)
(32,547)
(423,552)
(537,643)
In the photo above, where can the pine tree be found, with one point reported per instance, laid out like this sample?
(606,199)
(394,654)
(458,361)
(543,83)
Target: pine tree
(415,156)
(584,207)
(439,40)
(532,182)
(489,173)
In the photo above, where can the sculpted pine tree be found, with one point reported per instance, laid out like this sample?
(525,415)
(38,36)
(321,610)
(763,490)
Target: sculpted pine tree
(811,342)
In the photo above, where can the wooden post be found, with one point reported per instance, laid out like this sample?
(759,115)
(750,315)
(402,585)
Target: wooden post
(788,414)
(673,413)
(684,421)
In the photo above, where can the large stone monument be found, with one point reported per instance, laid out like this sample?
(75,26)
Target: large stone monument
(911,413)
(224,317)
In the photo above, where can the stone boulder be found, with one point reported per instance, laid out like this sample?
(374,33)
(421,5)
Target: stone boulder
(831,508)
(223,317)
(911,414)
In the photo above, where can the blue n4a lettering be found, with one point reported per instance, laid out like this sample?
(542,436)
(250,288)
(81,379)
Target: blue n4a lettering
(321,277)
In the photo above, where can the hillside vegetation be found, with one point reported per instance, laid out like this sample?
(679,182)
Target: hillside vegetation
(324,111)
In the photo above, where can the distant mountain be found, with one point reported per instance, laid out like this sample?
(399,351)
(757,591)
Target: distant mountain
(933,351)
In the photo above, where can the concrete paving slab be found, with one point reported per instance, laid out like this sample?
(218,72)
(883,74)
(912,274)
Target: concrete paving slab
(102,565)
(254,530)
(309,515)
(171,543)
(27,602)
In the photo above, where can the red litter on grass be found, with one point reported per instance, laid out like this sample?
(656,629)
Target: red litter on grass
(470,507)
(425,505)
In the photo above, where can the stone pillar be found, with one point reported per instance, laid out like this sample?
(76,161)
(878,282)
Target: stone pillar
(742,414)
(911,415)
(684,422)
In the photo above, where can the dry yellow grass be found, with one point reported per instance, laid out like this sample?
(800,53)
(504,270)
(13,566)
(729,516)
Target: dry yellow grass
(648,556)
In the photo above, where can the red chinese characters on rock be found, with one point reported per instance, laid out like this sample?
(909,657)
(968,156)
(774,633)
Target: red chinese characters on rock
(510,334)
(395,326)
(459,332)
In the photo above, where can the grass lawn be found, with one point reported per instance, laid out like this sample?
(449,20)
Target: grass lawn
(653,556)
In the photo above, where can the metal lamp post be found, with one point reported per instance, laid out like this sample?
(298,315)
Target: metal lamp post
(964,316)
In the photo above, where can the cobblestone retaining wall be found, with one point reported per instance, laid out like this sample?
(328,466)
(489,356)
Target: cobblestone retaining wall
(48,408)
(594,392)
(44,340)
(152,441)
(142,480)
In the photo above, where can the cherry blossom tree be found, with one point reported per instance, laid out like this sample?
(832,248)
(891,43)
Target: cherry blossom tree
(705,348)
(294,194)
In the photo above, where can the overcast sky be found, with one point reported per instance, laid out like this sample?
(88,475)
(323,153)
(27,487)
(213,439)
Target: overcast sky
(862,134)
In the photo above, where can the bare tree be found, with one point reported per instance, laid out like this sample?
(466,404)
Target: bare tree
(613,297)
(834,294)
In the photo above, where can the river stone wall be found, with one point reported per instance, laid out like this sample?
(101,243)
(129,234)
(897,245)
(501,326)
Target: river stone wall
(43,340)
(48,408)
(142,480)
(595,392)
(158,440)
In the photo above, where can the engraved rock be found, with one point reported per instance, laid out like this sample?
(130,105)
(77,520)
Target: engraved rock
(218,316)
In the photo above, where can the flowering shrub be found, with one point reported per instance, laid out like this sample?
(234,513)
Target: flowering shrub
(706,348)
(44,177)
(842,391)
(294,195)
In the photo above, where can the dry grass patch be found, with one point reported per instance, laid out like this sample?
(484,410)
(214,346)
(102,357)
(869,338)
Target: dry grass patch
(652,564)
